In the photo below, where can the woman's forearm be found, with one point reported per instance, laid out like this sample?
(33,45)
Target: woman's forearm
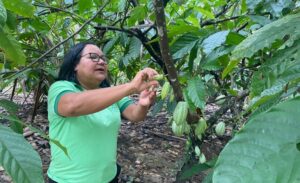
(139,113)
(90,101)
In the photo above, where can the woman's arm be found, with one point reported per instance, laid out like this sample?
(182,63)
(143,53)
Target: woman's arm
(90,101)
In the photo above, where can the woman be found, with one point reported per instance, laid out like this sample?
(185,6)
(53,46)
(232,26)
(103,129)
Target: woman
(85,113)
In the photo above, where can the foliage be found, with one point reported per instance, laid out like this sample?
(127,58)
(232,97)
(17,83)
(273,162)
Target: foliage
(242,55)
(18,158)
(265,150)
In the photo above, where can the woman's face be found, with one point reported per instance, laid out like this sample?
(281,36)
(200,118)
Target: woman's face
(92,67)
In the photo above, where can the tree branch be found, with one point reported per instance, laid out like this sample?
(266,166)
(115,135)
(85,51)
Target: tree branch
(138,34)
(214,22)
(165,51)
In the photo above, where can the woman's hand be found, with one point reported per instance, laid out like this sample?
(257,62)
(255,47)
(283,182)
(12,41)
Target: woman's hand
(147,97)
(143,80)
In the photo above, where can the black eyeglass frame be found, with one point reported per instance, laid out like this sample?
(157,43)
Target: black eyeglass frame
(97,59)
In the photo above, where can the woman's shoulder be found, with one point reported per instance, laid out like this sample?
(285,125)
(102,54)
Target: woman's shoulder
(63,85)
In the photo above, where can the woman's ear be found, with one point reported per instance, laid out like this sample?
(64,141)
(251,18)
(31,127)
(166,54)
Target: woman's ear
(76,69)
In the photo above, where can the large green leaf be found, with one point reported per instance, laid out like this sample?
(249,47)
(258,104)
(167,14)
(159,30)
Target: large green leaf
(197,92)
(183,45)
(10,106)
(18,158)
(20,7)
(133,50)
(264,37)
(138,14)
(84,5)
(11,21)
(12,109)
(265,150)
(215,40)
(3,15)
(110,45)
(11,48)
(36,130)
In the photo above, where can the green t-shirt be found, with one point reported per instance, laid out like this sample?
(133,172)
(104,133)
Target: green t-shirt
(91,140)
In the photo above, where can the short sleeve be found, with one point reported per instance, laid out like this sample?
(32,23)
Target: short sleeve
(56,91)
(124,103)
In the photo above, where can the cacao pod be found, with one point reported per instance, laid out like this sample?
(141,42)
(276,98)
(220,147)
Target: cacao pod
(180,112)
(201,127)
(158,77)
(220,128)
(197,151)
(186,128)
(177,129)
(165,90)
(202,158)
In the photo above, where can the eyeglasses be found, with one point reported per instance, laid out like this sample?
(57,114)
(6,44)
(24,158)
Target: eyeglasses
(96,58)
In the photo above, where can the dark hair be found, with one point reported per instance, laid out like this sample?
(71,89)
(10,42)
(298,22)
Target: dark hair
(71,59)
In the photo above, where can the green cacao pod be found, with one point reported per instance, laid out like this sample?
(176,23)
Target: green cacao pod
(165,90)
(220,128)
(202,158)
(180,112)
(187,128)
(197,151)
(201,127)
(158,77)
(178,130)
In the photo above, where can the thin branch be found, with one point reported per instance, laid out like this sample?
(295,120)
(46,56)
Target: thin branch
(62,42)
(54,9)
(214,22)
(113,28)
(138,34)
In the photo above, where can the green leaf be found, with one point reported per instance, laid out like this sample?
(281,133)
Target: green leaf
(215,40)
(197,92)
(84,5)
(11,21)
(183,45)
(211,61)
(138,14)
(183,28)
(133,50)
(243,6)
(121,5)
(3,14)
(188,100)
(20,7)
(298,146)
(260,19)
(264,37)
(18,157)
(10,106)
(36,130)
(205,12)
(195,169)
(110,45)
(273,68)
(12,109)
(229,68)
(265,149)
(234,38)
(11,48)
